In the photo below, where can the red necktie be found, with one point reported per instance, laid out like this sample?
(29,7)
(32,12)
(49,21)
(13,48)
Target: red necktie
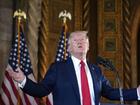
(84,86)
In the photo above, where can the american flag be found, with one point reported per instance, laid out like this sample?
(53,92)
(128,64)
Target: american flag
(11,94)
(62,53)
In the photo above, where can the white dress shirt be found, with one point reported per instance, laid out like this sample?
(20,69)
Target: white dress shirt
(77,65)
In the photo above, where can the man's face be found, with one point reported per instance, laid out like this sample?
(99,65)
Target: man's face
(78,44)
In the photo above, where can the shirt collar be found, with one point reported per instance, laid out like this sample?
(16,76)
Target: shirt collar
(76,60)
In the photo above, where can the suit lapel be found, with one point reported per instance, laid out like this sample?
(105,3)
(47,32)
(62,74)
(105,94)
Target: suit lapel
(72,77)
(95,82)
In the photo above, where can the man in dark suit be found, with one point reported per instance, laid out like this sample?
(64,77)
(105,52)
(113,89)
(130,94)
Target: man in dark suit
(65,80)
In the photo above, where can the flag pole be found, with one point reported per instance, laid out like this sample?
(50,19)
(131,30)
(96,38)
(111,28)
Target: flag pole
(64,15)
(65,33)
(20,15)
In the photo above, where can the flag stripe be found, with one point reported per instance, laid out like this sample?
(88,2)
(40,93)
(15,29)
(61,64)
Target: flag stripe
(7,94)
(7,85)
(26,100)
(23,100)
(33,100)
(48,101)
(14,88)
(5,99)
(1,101)
(12,84)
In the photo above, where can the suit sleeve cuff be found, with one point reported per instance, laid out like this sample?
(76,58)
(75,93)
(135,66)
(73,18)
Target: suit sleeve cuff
(22,84)
(138,94)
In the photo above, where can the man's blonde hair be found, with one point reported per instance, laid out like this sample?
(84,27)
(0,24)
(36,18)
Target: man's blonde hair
(78,32)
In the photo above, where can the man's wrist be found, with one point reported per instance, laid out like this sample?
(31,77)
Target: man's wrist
(22,83)
(138,94)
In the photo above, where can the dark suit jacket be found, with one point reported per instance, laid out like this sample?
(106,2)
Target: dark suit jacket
(61,81)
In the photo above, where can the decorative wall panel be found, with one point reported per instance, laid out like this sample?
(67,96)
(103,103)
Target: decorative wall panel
(109,35)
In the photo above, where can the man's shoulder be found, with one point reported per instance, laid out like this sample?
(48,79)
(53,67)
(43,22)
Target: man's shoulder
(94,67)
(61,63)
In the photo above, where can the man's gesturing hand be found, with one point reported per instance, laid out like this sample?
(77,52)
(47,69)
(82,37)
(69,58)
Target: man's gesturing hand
(18,76)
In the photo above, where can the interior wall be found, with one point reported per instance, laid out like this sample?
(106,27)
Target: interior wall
(6,23)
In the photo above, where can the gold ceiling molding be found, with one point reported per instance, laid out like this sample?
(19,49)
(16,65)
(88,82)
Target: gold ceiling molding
(34,19)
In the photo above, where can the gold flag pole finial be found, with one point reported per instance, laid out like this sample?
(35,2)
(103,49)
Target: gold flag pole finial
(18,13)
(64,14)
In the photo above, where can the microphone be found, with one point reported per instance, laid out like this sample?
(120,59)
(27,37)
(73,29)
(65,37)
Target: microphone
(109,66)
(106,63)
